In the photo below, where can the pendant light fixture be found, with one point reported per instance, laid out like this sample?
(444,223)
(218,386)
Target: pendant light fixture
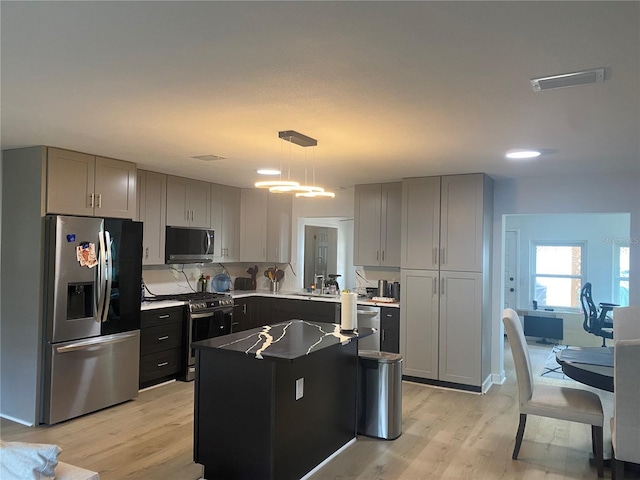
(303,191)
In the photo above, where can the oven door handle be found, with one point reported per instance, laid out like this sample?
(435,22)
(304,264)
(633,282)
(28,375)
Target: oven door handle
(202,314)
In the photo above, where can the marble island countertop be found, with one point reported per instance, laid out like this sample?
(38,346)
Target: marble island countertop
(286,340)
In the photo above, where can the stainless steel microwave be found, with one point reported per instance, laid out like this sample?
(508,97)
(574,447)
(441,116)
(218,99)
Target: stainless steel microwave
(188,245)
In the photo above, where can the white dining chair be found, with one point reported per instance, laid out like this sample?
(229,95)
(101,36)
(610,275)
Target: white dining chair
(562,403)
(625,424)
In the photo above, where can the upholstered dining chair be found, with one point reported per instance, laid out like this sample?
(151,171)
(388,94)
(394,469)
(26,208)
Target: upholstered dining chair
(625,424)
(562,403)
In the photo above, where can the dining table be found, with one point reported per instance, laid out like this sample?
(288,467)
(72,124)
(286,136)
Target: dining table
(591,366)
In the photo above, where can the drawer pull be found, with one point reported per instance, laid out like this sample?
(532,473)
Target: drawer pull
(163,364)
(163,316)
(163,338)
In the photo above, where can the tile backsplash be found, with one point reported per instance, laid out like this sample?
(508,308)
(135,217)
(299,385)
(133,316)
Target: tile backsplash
(169,279)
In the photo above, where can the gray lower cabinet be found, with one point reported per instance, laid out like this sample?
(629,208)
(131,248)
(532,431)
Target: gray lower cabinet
(162,337)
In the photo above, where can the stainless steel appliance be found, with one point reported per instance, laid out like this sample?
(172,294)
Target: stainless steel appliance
(188,245)
(93,271)
(369,316)
(210,315)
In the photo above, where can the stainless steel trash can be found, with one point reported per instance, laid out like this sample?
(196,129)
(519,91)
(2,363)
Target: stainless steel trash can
(380,394)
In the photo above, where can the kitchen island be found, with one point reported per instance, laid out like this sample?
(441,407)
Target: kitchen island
(274,402)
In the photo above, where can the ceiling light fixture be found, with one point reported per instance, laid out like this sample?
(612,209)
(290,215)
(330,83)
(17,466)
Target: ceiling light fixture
(277,183)
(297,138)
(303,191)
(522,154)
(268,171)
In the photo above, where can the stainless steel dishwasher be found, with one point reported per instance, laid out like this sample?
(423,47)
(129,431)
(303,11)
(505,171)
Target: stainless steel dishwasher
(369,316)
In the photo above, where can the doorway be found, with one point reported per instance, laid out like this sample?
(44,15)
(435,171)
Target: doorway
(320,251)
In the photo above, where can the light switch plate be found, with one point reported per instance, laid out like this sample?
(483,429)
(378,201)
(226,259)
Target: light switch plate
(299,388)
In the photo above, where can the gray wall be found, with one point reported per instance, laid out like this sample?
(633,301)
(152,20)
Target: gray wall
(21,283)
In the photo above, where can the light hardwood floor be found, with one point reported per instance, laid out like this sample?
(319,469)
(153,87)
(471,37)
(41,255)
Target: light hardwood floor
(446,435)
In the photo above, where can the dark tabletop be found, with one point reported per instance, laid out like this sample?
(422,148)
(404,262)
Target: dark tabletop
(286,340)
(589,365)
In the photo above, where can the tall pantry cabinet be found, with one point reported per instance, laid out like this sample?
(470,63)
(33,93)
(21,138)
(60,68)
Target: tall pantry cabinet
(445,323)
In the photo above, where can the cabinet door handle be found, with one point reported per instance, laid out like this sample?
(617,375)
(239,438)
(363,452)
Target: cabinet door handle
(377,255)
(146,254)
(163,316)
(91,200)
(192,215)
(435,286)
(163,338)
(244,308)
(442,286)
(435,255)
(383,336)
(163,364)
(389,315)
(383,255)
(99,200)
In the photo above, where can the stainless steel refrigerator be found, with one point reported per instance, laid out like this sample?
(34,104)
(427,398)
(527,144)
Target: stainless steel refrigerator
(93,270)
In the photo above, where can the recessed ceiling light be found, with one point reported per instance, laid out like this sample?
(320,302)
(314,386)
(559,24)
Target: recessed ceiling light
(268,171)
(522,154)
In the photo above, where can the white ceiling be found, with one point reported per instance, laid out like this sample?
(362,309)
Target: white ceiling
(389,89)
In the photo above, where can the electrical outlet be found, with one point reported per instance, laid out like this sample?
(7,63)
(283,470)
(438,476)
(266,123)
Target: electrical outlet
(299,388)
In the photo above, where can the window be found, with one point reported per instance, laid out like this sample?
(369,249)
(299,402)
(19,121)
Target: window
(557,274)
(621,275)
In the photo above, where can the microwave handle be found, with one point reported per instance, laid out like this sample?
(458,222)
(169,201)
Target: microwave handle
(209,242)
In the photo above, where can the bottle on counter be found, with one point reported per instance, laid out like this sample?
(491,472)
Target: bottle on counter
(201,284)
(207,282)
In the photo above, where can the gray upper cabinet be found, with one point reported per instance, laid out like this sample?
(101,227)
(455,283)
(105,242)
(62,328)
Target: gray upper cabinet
(188,202)
(83,184)
(377,224)
(421,223)
(443,222)
(152,208)
(253,225)
(462,222)
(225,222)
(279,211)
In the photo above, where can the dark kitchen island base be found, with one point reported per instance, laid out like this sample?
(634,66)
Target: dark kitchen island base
(248,422)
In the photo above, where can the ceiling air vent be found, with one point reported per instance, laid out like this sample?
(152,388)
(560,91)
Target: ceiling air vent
(209,158)
(584,77)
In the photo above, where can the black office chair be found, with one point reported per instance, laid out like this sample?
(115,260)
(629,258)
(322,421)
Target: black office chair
(596,320)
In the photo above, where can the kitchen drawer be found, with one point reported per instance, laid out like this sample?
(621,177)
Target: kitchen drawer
(162,337)
(159,365)
(161,316)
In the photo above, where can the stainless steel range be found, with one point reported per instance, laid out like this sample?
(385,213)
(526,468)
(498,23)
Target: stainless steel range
(209,315)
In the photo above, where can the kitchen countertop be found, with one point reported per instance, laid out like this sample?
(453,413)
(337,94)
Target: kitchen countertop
(285,340)
(266,293)
(161,304)
(301,296)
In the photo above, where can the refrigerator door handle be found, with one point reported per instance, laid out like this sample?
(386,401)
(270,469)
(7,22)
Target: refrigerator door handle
(109,279)
(102,272)
(96,342)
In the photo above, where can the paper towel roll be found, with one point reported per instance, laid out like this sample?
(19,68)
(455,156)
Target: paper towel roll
(348,311)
